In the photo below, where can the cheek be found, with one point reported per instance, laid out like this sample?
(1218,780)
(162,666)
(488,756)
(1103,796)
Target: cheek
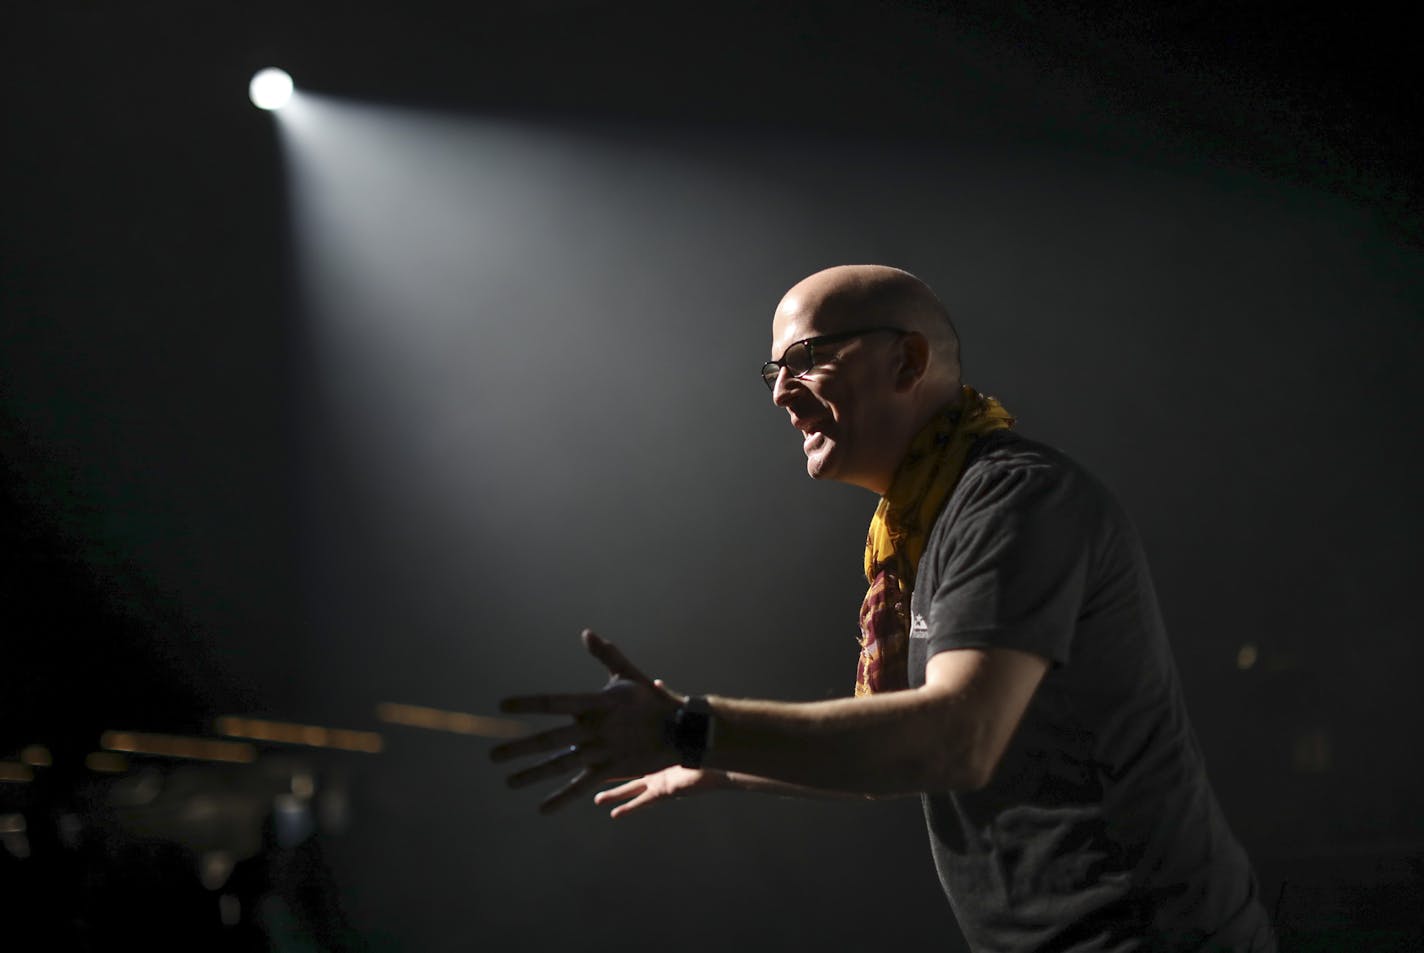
(833,400)
(849,414)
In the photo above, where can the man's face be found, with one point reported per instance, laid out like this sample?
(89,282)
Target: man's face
(845,405)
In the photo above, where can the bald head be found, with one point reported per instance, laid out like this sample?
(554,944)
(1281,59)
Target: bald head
(863,356)
(853,296)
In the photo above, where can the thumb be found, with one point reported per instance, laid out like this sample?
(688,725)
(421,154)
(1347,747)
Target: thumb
(612,659)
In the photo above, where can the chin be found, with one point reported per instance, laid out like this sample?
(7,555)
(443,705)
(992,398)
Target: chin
(827,467)
(821,465)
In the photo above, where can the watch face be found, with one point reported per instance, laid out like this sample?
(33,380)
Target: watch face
(692,732)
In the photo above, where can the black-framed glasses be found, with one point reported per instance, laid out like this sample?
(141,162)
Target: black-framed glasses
(800,357)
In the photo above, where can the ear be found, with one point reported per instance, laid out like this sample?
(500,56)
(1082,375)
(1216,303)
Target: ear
(913,358)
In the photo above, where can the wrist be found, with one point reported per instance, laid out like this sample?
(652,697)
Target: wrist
(691,730)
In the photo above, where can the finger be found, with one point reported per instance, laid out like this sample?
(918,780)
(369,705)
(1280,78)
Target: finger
(575,703)
(570,759)
(551,740)
(615,661)
(585,781)
(622,792)
(637,803)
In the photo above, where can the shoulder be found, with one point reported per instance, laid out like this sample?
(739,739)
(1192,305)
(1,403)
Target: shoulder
(1007,467)
(1013,554)
(1012,480)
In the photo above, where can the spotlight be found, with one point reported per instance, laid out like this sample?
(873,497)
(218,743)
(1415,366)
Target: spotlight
(270,89)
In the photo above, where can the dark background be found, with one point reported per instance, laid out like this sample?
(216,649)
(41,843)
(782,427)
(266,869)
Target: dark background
(1184,245)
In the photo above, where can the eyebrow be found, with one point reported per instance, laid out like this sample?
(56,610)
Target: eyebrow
(812,339)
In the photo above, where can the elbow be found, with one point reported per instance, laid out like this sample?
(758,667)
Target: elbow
(983,759)
(967,775)
(977,774)
(968,766)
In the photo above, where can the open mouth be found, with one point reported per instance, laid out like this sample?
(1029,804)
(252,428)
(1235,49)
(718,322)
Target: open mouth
(813,431)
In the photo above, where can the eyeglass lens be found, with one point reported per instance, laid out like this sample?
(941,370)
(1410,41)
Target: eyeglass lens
(797,360)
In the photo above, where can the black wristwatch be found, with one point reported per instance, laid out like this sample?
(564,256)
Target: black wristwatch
(690,731)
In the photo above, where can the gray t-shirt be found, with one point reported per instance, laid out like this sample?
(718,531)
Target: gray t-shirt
(1099,830)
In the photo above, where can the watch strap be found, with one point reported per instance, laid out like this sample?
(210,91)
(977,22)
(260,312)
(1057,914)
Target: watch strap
(690,731)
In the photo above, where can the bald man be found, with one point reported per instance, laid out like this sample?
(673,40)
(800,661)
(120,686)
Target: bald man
(1014,670)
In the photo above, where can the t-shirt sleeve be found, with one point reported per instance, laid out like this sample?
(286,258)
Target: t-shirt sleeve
(1011,569)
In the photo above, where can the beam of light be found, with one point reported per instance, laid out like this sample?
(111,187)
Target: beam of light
(476,282)
(497,313)
(312,736)
(270,88)
(458,722)
(178,746)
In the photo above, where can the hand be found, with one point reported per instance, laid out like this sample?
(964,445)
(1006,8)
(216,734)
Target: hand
(669,782)
(619,732)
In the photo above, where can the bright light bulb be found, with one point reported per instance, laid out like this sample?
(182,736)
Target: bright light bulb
(270,89)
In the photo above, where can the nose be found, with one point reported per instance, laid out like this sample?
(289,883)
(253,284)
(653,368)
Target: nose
(781,390)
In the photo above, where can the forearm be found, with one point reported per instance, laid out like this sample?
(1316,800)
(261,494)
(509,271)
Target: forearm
(895,743)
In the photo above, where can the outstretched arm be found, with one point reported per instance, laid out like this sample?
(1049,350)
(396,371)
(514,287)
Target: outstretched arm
(948,734)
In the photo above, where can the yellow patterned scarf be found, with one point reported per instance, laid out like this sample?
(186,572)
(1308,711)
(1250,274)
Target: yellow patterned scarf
(901,528)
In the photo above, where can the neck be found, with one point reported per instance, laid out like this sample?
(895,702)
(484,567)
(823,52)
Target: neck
(928,410)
